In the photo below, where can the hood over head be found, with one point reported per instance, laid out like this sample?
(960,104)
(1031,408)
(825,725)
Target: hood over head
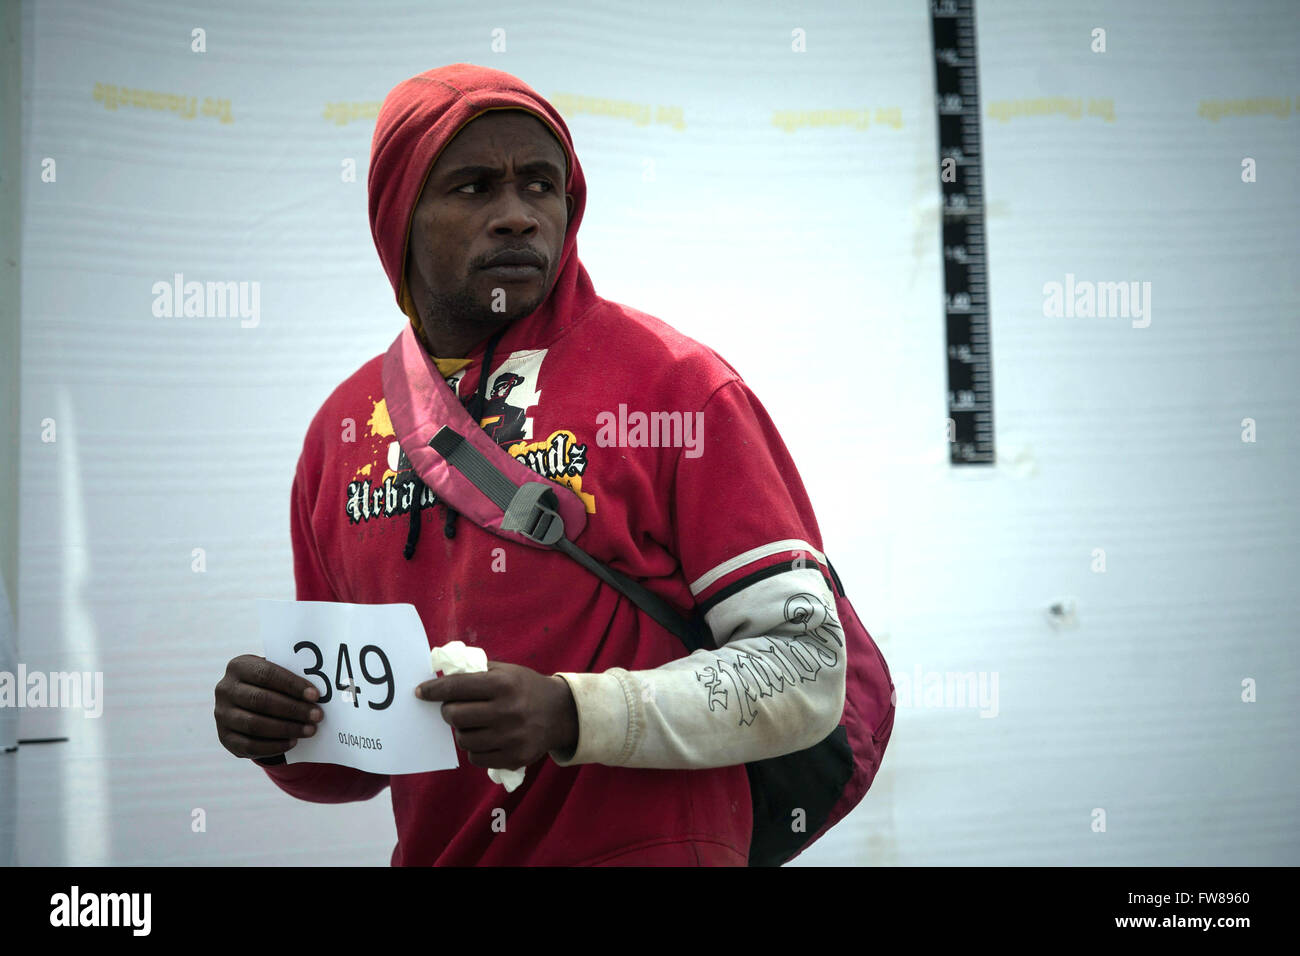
(419,117)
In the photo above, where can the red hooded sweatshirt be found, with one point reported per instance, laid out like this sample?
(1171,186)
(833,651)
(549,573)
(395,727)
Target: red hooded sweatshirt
(584,391)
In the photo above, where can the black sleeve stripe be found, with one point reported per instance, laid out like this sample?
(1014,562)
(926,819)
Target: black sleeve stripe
(762,574)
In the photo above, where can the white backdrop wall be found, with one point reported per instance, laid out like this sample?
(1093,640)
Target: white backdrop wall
(810,258)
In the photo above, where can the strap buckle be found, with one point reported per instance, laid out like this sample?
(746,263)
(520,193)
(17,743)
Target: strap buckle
(533,512)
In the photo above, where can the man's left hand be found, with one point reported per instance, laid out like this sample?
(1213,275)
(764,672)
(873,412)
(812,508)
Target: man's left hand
(507,716)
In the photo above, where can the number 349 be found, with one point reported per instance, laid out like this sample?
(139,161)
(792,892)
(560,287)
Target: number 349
(350,685)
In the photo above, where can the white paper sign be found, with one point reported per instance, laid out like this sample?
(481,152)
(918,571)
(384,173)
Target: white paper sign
(366,660)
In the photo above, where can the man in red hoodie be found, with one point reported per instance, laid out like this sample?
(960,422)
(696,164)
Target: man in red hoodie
(634,750)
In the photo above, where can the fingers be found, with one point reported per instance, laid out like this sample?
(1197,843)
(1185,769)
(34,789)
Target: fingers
(251,724)
(479,731)
(260,700)
(261,672)
(480,686)
(477,742)
(244,746)
(471,715)
(487,759)
(262,709)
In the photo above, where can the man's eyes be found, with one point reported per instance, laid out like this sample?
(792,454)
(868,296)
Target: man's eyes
(483,182)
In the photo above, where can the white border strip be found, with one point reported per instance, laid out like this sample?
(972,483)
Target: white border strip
(762,551)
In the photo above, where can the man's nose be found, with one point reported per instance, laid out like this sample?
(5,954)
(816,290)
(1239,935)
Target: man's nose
(511,214)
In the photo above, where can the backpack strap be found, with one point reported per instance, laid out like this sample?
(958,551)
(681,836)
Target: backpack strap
(532,510)
(836,578)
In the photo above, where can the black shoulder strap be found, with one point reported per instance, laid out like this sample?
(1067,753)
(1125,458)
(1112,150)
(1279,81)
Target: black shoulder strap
(531,509)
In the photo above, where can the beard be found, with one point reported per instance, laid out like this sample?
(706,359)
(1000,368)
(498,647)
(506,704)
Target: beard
(460,310)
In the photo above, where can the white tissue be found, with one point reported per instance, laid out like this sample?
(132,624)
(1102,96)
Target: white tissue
(457,657)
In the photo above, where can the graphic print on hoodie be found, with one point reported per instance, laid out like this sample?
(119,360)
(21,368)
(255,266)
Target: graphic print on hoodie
(385,487)
(658,774)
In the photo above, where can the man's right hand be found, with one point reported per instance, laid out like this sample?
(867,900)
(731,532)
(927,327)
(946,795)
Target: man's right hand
(262,709)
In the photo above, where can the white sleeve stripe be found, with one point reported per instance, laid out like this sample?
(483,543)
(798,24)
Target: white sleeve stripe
(762,551)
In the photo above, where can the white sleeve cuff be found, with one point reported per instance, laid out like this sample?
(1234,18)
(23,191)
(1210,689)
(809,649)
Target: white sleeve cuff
(609,718)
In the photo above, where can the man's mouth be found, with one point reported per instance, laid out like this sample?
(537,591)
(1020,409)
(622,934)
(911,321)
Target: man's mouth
(514,272)
(515,264)
(515,256)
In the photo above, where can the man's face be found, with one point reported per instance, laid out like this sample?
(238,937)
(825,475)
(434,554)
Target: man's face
(497,187)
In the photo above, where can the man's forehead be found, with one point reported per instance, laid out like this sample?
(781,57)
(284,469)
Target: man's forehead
(460,142)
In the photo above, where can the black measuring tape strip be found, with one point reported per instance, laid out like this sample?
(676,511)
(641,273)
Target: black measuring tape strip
(965,251)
